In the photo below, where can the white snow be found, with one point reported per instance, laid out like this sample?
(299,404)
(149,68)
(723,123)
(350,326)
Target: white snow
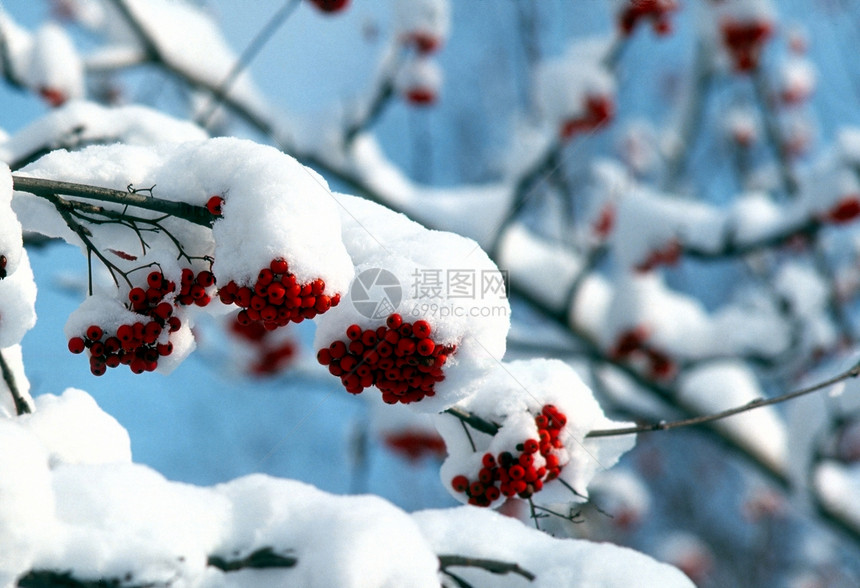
(557,563)
(717,386)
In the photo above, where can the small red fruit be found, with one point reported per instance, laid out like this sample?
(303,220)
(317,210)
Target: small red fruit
(76,345)
(214,204)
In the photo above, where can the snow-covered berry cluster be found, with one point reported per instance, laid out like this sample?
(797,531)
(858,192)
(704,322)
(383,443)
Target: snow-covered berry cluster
(636,11)
(521,472)
(137,344)
(277,298)
(399,358)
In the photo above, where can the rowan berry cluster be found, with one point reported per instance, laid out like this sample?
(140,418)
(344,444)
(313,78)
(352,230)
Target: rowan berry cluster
(599,110)
(330,5)
(138,345)
(271,357)
(632,345)
(399,358)
(276,298)
(518,473)
(846,210)
(670,254)
(744,42)
(414,445)
(194,289)
(657,11)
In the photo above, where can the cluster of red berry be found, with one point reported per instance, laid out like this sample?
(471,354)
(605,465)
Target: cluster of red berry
(3,263)
(271,357)
(744,42)
(399,358)
(670,254)
(135,345)
(599,110)
(276,298)
(657,11)
(846,210)
(193,288)
(330,5)
(414,445)
(632,344)
(514,474)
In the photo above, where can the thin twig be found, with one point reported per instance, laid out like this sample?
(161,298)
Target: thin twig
(21,404)
(753,404)
(257,43)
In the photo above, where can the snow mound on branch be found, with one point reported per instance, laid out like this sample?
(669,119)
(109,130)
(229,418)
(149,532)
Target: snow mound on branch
(837,486)
(17,303)
(80,122)
(567,563)
(55,69)
(74,430)
(274,206)
(565,84)
(349,541)
(185,36)
(719,386)
(427,19)
(512,396)
(45,62)
(443,278)
(27,505)
(648,224)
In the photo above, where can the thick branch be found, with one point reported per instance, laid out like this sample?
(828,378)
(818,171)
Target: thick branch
(43,188)
(21,404)
(261,559)
(491,565)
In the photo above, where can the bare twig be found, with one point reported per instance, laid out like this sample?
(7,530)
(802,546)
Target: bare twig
(774,134)
(251,51)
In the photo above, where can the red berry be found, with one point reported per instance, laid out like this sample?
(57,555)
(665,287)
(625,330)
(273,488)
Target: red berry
(154,279)
(214,204)
(279,266)
(460,483)
(394,321)
(425,346)
(94,332)
(76,345)
(421,329)
(137,296)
